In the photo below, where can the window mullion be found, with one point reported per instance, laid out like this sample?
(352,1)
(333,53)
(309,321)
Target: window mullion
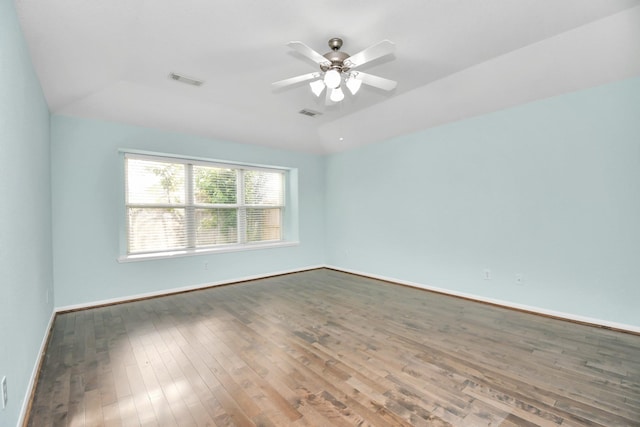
(242,211)
(190,211)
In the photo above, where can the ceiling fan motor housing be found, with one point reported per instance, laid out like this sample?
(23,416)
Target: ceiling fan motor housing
(336,57)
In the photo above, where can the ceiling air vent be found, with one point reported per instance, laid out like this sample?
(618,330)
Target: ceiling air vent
(187,80)
(309,113)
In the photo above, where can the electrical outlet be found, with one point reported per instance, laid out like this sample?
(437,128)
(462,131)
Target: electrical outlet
(487,274)
(206,265)
(519,279)
(3,389)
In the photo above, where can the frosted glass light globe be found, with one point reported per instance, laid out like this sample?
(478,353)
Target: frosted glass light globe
(332,78)
(354,85)
(317,87)
(336,95)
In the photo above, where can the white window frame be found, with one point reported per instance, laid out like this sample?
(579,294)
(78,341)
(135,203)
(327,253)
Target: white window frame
(288,218)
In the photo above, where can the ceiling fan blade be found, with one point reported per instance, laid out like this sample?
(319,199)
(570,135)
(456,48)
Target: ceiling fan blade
(375,81)
(308,52)
(385,47)
(294,80)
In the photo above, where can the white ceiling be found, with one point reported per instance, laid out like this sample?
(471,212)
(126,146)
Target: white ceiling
(111,59)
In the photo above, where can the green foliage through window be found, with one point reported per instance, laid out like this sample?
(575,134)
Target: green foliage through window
(179,205)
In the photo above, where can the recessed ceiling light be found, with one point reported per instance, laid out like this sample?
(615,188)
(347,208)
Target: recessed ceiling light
(187,80)
(341,139)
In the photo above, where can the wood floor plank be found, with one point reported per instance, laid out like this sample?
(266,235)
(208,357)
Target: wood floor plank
(325,348)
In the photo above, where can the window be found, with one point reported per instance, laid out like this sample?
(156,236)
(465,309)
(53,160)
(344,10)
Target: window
(187,206)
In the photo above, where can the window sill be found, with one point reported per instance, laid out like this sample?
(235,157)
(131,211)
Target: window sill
(205,251)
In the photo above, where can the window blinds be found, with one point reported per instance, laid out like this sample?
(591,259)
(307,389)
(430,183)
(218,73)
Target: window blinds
(177,205)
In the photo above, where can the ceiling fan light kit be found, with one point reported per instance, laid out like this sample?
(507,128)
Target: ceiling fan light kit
(337,95)
(353,84)
(337,69)
(317,87)
(332,78)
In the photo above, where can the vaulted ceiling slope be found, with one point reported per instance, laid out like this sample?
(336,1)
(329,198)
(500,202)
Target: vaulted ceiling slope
(111,60)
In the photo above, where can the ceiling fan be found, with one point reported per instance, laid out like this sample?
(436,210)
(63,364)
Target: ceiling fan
(338,68)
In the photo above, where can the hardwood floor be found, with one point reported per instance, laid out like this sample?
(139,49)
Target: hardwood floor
(324,348)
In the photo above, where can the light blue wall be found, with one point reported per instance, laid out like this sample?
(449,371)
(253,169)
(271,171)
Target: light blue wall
(549,190)
(25,215)
(87,198)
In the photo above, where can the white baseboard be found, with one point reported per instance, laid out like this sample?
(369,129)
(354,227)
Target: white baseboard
(170,291)
(34,373)
(506,304)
